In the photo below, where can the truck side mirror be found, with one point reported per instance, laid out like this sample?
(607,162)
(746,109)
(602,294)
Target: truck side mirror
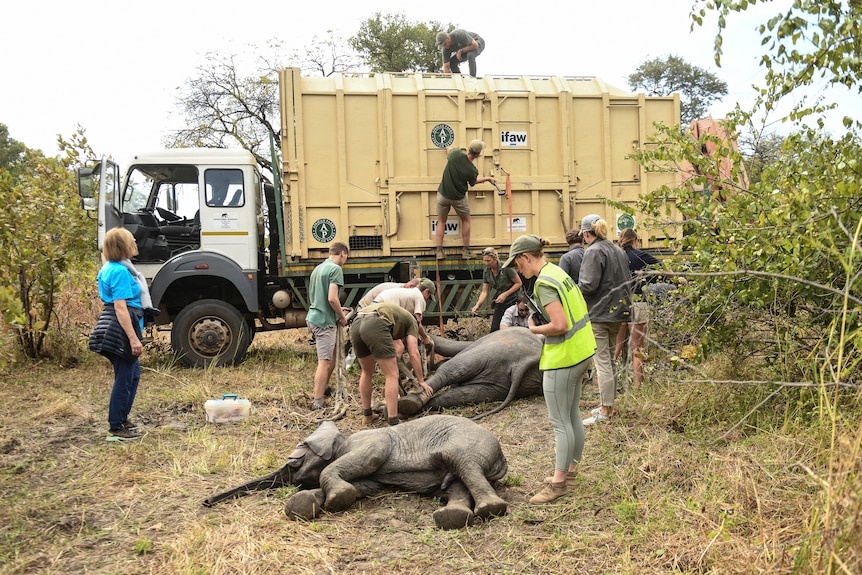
(87,187)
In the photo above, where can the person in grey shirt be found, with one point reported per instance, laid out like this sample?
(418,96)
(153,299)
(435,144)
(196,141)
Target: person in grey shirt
(570,261)
(605,281)
(458,46)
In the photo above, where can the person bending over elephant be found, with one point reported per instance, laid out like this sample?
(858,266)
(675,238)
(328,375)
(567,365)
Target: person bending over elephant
(373,334)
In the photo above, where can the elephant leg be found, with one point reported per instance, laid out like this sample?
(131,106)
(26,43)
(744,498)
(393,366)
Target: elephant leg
(304,505)
(487,502)
(340,495)
(412,403)
(355,465)
(461,395)
(458,511)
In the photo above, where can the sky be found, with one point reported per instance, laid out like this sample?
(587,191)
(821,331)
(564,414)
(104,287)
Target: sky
(116,68)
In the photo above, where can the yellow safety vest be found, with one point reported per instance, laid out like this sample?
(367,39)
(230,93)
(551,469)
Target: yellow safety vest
(578,343)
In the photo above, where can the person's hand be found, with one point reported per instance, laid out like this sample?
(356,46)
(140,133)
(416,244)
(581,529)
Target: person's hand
(427,341)
(137,347)
(427,388)
(500,299)
(492,180)
(458,55)
(475,307)
(342,320)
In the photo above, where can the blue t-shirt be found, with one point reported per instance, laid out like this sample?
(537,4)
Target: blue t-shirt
(116,282)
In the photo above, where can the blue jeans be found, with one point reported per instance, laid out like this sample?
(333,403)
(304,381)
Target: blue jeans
(126,378)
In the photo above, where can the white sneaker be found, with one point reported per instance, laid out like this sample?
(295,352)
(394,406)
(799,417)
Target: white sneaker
(597,418)
(596,410)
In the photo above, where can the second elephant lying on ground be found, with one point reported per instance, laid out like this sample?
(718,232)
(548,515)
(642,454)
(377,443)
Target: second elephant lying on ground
(442,455)
(501,366)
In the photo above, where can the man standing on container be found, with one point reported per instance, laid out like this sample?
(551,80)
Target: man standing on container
(325,315)
(459,174)
(458,46)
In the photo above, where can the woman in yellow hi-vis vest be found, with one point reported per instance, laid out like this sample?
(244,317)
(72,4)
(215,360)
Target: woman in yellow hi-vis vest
(560,316)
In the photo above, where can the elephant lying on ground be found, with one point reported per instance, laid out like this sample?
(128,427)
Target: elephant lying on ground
(500,366)
(441,455)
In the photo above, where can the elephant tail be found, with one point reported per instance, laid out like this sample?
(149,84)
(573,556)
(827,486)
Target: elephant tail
(275,479)
(513,392)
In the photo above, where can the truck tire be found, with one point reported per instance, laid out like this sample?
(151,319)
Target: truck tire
(210,332)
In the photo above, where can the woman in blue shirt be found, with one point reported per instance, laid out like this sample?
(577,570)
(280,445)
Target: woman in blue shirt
(117,334)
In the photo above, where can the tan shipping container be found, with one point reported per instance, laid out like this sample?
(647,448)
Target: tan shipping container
(363,156)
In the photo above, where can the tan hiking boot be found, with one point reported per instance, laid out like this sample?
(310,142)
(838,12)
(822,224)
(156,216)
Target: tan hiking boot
(465,253)
(440,254)
(570,478)
(551,492)
(369,419)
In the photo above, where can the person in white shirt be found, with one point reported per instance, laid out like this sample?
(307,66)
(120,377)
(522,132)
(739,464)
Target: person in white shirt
(517,315)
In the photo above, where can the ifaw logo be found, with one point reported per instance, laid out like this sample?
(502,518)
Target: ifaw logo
(452,227)
(513,139)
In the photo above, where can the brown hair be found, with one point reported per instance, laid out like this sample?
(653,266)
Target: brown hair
(338,248)
(119,244)
(574,237)
(628,238)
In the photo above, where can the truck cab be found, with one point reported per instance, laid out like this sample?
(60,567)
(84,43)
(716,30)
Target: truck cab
(197,221)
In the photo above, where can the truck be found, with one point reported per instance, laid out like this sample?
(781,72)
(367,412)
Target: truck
(228,252)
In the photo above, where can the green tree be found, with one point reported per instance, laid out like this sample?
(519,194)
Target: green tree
(698,88)
(11,151)
(43,234)
(223,108)
(777,265)
(392,43)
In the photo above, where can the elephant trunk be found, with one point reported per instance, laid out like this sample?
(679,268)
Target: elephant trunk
(275,479)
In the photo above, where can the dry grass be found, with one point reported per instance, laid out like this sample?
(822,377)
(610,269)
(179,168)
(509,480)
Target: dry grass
(656,494)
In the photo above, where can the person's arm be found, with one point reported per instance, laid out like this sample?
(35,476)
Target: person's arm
(416,363)
(508,316)
(484,179)
(468,48)
(516,285)
(122,312)
(335,304)
(557,323)
(482,297)
(423,335)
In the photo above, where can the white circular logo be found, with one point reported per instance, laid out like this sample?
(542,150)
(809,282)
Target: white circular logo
(442,136)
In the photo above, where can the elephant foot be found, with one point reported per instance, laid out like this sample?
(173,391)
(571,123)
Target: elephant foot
(453,516)
(412,403)
(491,507)
(341,498)
(304,505)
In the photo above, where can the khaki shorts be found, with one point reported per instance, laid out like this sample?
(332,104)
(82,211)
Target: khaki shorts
(324,341)
(371,336)
(462,206)
(640,312)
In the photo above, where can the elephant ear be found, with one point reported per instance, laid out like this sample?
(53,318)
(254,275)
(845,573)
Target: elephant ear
(325,441)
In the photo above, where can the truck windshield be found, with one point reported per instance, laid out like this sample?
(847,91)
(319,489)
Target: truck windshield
(137,194)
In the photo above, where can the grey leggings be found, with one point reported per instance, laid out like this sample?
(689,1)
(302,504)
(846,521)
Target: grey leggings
(562,389)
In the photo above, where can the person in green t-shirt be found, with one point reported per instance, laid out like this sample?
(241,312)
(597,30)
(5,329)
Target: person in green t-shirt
(459,174)
(324,316)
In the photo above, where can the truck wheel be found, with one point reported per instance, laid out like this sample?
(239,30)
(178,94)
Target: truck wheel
(210,332)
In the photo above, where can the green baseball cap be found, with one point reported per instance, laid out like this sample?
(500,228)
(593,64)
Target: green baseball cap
(523,245)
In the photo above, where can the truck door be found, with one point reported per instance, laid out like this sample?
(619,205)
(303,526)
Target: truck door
(104,180)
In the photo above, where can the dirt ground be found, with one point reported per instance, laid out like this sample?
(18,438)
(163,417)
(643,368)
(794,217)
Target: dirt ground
(74,503)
